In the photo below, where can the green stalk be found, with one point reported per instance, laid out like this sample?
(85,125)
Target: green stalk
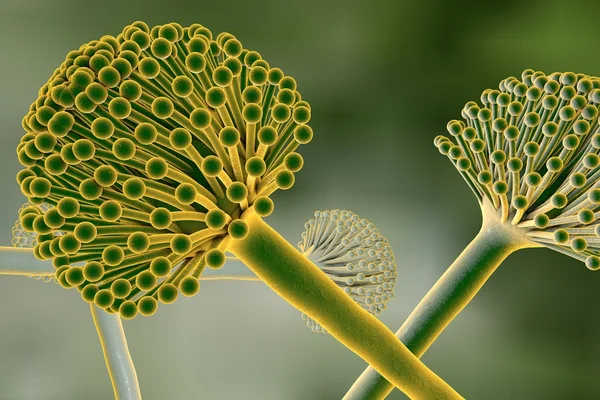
(296,279)
(452,292)
(116,354)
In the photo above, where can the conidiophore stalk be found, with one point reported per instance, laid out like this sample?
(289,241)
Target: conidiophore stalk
(530,156)
(21,261)
(154,152)
(310,290)
(116,355)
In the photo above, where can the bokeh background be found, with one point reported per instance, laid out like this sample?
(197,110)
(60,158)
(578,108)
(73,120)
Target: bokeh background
(383,78)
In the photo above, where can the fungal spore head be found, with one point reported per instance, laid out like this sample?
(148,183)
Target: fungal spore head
(529,151)
(141,153)
(351,252)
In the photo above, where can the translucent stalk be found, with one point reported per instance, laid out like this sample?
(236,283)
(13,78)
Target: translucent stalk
(296,279)
(21,261)
(116,355)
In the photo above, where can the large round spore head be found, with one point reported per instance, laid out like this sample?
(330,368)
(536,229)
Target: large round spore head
(143,150)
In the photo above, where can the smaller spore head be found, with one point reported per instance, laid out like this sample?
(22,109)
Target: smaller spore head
(264,206)
(285,179)
(255,167)
(237,192)
(74,276)
(88,293)
(134,188)
(146,280)
(180,138)
(293,162)
(85,232)
(181,244)
(351,251)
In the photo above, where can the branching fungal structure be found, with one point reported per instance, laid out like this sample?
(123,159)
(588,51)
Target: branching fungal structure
(530,154)
(136,146)
(150,154)
(353,253)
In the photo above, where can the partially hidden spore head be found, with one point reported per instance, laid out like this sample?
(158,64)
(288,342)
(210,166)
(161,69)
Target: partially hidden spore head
(351,252)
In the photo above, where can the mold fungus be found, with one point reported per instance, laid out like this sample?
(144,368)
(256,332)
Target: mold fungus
(143,150)
(530,149)
(155,152)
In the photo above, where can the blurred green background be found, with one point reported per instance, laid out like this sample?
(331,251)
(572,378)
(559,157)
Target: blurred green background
(383,78)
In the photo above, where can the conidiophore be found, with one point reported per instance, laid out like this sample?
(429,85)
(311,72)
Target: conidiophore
(155,152)
(529,153)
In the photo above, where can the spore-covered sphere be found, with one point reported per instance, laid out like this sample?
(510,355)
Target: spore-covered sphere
(529,149)
(142,152)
